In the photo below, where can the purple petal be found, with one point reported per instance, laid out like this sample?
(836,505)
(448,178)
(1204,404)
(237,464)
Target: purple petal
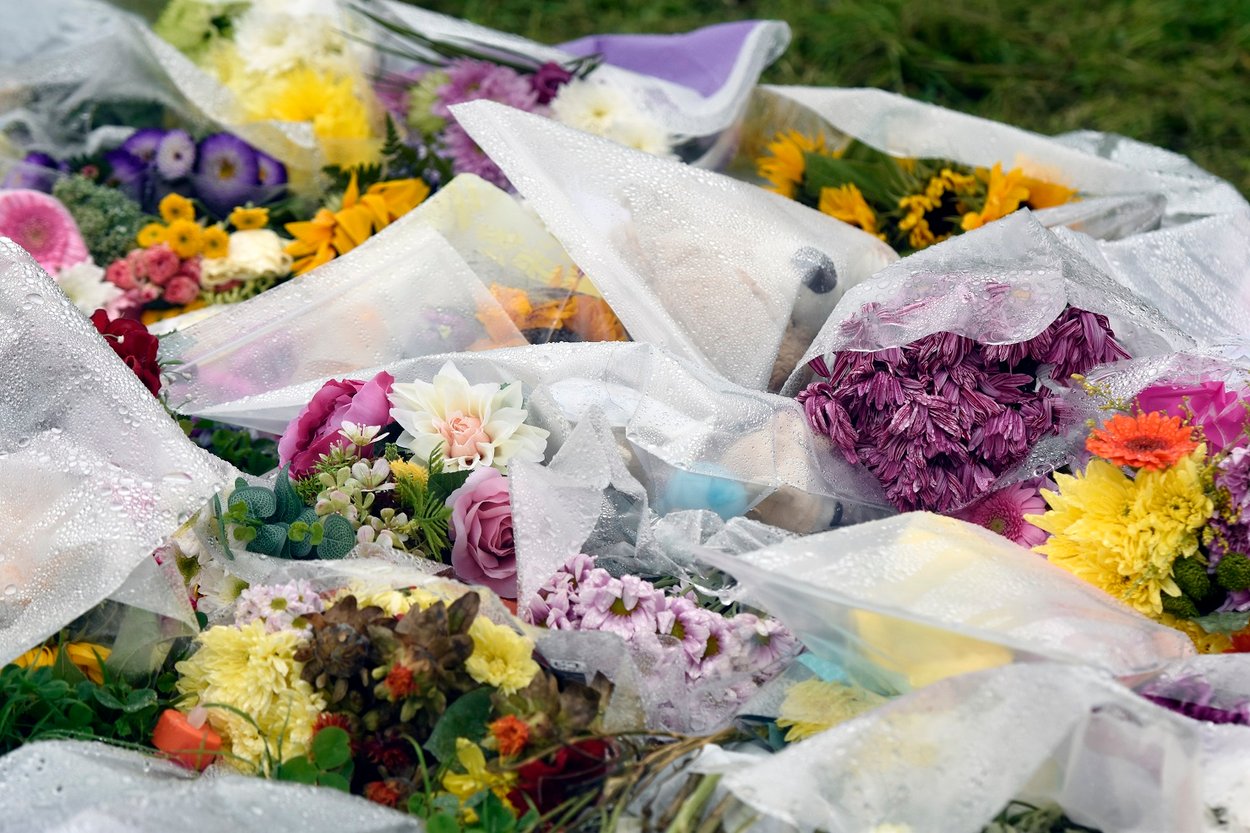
(142,144)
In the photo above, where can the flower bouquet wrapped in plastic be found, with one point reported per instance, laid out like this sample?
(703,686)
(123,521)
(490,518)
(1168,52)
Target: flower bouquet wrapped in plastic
(940,373)
(715,271)
(1154,513)
(916,174)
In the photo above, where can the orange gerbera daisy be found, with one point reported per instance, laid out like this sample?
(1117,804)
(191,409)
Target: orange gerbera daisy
(1151,440)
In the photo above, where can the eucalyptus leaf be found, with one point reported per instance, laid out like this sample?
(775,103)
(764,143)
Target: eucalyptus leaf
(339,538)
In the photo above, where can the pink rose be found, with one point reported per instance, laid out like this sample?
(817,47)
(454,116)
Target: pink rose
(120,274)
(1219,412)
(481,526)
(138,263)
(146,293)
(316,429)
(181,290)
(161,262)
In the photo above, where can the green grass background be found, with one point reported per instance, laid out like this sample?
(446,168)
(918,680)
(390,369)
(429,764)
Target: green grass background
(1175,73)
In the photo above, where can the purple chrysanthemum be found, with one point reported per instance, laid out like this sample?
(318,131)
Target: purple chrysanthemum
(624,606)
(939,419)
(468,158)
(175,155)
(142,144)
(470,80)
(227,172)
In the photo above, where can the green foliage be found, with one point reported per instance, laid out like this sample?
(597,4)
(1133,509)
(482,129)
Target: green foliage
(399,161)
(237,446)
(429,516)
(1227,622)
(1181,606)
(1163,71)
(1233,572)
(1019,817)
(327,764)
(58,701)
(465,718)
(277,522)
(107,218)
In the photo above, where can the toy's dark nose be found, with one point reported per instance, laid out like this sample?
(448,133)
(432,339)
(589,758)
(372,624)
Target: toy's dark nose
(819,273)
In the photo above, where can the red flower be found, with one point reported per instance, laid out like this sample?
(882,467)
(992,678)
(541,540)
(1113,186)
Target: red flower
(511,734)
(134,345)
(399,682)
(571,769)
(388,793)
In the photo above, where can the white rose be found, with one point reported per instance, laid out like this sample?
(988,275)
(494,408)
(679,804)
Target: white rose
(257,253)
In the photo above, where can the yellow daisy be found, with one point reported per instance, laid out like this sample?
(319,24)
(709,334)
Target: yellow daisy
(246,219)
(151,235)
(185,237)
(215,241)
(175,207)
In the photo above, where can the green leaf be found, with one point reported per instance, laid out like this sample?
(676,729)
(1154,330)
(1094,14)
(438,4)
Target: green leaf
(288,505)
(444,483)
(493,817)
(105,698)
(335,781)
(139,699)
(464,718)
(270,540)
(64,669)
(442,823)
(331,748)
(300,770)
(260,502)
(339,538)
(1228,622)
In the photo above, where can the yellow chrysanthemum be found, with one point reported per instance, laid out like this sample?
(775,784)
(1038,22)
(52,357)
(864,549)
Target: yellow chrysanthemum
(215,242)
(185,237)
(150,235)
(1004,194)
(501,657)
(336,106)
(332,233)
(847,203)
(476,777)
(786,163)
(1123,535)
(813,706)
(175,207)
(255,672)
(247,219)
(407,470)
(394,602)
(86,656)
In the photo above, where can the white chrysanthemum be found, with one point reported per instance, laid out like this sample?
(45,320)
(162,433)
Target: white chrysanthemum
(609,111)
(476,425)
(84,284)
(274,36)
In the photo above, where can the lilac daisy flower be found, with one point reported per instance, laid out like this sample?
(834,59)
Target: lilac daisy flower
(36,172)
(624,606)
(716,655)
(681,618)
(765,645)
(226,173)
(279,606)
(175,155)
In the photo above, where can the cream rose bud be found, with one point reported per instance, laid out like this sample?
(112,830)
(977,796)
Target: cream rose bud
(256,253)
(477,426)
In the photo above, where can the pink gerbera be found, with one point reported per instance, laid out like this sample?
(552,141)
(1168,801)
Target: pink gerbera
(43,227)
(1003,512)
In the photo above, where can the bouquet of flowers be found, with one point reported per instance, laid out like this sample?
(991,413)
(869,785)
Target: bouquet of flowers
(940,374)
(1155,516)
(909,203)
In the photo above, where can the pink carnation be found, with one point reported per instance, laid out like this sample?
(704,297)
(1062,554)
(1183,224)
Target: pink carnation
(43,227)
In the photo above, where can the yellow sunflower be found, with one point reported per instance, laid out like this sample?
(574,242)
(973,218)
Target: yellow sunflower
(786,163)
(847,203)
(1004,194)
